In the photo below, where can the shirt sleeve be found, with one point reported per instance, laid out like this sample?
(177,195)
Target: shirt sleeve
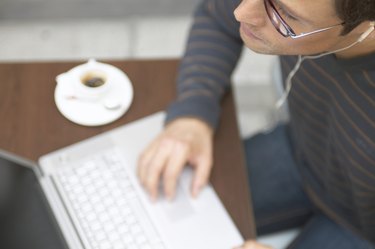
(213,49)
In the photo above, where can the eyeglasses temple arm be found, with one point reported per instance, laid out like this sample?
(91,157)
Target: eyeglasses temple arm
(312,32)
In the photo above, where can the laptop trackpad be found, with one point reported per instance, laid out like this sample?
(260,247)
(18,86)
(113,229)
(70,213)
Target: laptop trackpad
(178,209)
(181,206)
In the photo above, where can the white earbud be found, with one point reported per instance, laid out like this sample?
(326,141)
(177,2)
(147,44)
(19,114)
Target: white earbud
(367,32)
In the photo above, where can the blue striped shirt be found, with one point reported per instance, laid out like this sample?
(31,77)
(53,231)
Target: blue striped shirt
(332,113)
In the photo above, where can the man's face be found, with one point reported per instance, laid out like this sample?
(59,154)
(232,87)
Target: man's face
(259,34)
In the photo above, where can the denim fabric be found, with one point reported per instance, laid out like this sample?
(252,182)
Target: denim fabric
(277,194)
(321,232)
(279,200)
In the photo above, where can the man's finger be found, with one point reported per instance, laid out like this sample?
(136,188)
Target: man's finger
(156,166)
(144,161)
(202,174)
(174,167)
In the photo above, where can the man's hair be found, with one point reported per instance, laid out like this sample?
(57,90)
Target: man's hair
(354,12)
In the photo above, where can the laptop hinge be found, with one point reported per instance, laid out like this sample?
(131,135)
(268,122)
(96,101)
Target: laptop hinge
(38,171)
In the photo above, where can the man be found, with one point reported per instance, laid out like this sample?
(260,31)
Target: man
(319,169)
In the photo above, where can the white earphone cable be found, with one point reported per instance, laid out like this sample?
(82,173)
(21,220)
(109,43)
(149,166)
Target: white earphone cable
(288,82)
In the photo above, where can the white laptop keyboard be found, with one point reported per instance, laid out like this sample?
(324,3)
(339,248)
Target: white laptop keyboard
(106,205)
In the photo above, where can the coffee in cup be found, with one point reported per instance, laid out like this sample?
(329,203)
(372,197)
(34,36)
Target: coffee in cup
(93,78)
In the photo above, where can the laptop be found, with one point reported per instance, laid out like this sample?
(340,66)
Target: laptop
(87,196)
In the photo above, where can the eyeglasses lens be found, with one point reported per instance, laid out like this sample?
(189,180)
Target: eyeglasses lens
(275,19)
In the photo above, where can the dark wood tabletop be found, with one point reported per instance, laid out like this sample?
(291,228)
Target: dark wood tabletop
(32,126)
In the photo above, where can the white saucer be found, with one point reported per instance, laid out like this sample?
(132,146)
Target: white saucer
(89,112)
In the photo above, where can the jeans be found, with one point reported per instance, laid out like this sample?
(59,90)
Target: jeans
(279,200)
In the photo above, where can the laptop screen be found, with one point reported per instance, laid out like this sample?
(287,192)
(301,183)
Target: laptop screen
(26,220)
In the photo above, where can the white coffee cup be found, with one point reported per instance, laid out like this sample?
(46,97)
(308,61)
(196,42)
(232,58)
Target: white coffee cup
(90,80)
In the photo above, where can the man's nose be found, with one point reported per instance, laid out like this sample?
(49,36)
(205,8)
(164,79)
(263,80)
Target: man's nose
(251,12)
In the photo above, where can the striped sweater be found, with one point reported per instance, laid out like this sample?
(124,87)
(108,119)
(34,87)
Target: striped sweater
(332,113)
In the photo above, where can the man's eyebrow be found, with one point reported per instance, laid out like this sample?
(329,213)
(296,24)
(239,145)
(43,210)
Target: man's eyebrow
(290,11)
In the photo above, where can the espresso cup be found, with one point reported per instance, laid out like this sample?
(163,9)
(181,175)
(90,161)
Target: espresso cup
(90,80)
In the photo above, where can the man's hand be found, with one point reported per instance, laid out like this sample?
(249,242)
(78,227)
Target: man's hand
(251,244)
(184,140)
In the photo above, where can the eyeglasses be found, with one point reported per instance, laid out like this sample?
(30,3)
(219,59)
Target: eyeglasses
(282,27)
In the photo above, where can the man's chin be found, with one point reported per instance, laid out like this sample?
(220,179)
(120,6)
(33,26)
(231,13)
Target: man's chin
(260,49)
(265,49)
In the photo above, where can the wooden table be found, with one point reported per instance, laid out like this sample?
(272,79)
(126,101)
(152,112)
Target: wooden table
(32,126)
